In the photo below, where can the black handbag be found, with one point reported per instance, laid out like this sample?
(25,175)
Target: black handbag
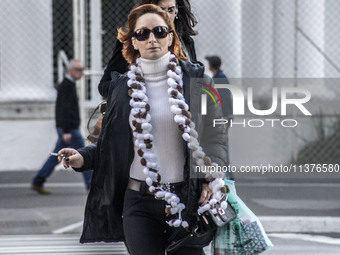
(204,229)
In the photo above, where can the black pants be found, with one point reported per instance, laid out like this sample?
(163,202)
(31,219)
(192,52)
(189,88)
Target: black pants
(145,229)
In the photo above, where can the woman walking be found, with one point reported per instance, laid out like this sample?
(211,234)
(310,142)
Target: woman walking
(142,192)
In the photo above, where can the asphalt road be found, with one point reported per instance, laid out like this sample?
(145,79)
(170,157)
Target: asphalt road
(300,215)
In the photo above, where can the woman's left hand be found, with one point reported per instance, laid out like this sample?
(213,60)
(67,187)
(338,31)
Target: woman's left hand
(205,195)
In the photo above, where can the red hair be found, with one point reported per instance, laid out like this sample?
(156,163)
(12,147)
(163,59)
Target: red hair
(125,35)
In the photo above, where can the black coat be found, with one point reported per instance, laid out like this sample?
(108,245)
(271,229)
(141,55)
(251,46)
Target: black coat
(67,109)
(113,154)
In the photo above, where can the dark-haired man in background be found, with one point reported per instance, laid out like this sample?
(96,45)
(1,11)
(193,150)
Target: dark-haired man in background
(226,97)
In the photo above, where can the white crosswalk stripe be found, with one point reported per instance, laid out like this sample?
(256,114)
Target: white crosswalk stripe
(55,245)
(58,245)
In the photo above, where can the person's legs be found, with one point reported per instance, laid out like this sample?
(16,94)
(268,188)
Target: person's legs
(87,175)
(77,142)
(52,161)
(143,224)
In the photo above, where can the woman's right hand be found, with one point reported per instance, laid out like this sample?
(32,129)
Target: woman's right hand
(71,157)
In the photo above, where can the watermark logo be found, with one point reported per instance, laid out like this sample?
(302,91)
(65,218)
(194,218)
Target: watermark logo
(300,97)
(212,97)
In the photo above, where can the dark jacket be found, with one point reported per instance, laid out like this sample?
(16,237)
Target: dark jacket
(67,109)
(117,63)
(113,154)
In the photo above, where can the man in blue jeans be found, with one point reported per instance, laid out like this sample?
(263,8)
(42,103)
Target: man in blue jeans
(67,123)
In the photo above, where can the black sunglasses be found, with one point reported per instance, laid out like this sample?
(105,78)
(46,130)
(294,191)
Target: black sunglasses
(143,33)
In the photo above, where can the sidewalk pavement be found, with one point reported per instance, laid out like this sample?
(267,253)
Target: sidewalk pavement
(283,207)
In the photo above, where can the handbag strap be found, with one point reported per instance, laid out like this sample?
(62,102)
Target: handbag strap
(102,107)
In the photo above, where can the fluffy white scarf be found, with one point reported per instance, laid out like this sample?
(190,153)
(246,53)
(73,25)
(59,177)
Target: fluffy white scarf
(141,119)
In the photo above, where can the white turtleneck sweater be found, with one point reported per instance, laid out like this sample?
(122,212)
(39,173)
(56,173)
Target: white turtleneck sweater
(168,142)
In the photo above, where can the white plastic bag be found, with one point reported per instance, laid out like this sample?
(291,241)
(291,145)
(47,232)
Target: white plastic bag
(242,236)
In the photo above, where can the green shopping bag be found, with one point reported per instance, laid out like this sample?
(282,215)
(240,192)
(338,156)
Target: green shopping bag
(242,236)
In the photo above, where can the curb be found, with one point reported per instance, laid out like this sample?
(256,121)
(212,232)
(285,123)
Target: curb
(271,224)
(296,224)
